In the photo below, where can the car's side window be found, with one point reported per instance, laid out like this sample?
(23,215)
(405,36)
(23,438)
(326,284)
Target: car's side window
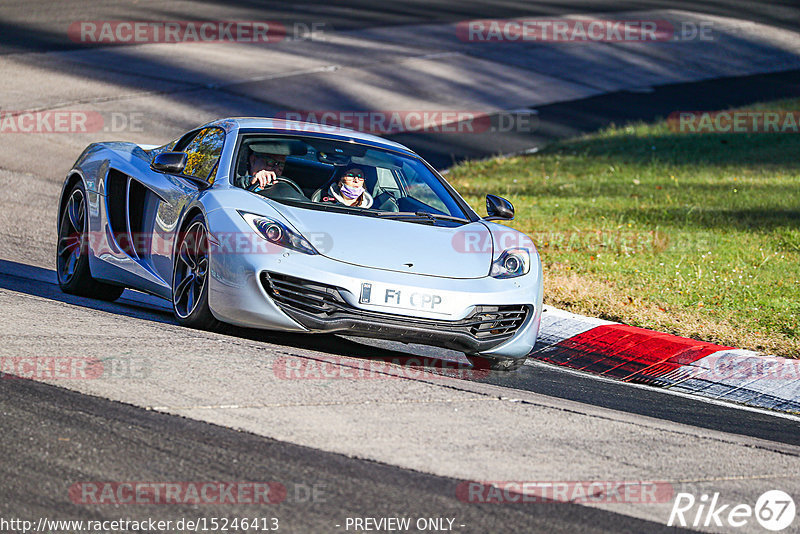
(163,148)
(204,151)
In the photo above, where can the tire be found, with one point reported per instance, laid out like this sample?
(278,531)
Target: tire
(190,277)
(72,251)
(496,364)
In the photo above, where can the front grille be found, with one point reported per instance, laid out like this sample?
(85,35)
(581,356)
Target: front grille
(304,295)
(490,321)
(324,302)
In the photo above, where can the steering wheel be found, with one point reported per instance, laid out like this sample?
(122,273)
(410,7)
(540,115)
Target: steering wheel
(254,187)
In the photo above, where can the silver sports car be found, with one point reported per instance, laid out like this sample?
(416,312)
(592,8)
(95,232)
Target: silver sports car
(349,234)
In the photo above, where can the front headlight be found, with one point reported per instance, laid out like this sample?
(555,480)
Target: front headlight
(511,263)
(278,233)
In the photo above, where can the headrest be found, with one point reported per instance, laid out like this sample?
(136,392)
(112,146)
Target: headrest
(288,147)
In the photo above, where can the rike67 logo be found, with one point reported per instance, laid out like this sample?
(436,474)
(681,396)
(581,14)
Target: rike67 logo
(774,510)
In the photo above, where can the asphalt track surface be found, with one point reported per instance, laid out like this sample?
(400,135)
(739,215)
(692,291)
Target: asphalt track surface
(37,25)
(534,377)
(568,119)
(82,438)
(53,436)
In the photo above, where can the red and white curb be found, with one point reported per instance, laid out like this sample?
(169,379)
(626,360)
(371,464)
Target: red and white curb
(632,354)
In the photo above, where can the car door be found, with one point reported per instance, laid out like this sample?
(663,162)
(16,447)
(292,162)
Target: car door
(173,192)
(144,209)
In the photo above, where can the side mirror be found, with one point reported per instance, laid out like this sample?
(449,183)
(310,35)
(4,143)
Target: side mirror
(498,208)
(170,162)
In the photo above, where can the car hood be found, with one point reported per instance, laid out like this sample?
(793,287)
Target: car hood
(396,245)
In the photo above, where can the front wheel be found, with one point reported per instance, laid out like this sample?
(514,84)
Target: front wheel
(190,278)
(72,251)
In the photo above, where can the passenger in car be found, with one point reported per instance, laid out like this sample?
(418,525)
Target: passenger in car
(350,190)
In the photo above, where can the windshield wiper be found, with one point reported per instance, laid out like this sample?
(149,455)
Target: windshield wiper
(335,208)
(419,215)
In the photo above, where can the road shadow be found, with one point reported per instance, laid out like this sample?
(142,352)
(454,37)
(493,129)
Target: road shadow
(578,117)
(339,358)
(185,82)
(46,25)
(334,350)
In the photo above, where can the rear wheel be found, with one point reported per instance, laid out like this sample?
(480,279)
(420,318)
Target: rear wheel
(190,278)
(72,251)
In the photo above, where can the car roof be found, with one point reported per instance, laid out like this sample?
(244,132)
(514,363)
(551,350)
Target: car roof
(282,126)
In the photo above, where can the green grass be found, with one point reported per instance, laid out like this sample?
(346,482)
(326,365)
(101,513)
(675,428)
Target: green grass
(696,234)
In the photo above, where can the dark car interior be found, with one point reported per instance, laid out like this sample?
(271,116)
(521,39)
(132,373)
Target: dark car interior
(311,170)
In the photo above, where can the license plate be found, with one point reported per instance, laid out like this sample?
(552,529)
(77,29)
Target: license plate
(400,297)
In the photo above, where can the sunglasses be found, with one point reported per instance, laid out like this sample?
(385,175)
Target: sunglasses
(269,162)
(352,175)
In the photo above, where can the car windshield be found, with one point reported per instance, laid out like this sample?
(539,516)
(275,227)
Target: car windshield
(341,176)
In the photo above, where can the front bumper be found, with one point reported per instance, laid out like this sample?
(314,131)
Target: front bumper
(241,292)
(322,308)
